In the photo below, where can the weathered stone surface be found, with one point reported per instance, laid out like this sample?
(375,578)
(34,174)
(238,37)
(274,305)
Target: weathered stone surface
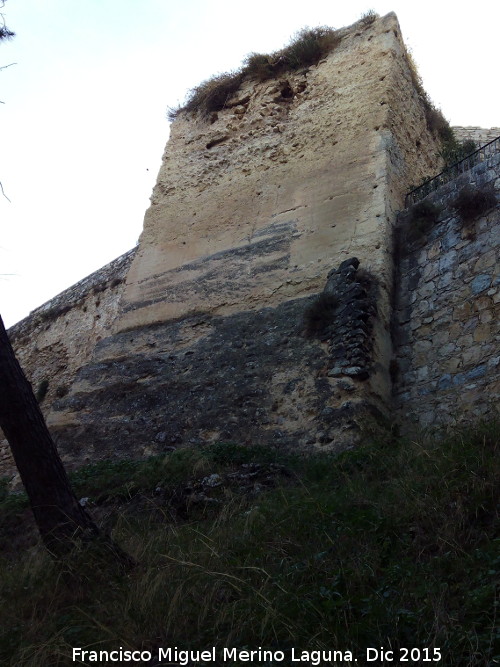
(60,336)
(279,207)
(247,377)
(480,283)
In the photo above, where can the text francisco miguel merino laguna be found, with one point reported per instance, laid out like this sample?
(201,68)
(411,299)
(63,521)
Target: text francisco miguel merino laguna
(185,657)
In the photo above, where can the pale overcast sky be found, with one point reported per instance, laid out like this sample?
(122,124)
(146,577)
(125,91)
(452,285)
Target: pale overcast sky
(84,116)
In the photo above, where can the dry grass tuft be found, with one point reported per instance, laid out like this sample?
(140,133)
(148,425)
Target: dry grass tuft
(393,539)
(306,48)
(368,17)
(473,202)
(422,218)
(213,94)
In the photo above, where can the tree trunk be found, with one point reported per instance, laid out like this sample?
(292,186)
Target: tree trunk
(58,514)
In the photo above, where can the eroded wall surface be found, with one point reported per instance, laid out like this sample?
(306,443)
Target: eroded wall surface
(55,340)
(253,206)
(250,377)
(447,363)
(256,205)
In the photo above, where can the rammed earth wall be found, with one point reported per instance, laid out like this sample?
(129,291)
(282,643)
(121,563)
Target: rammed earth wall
(447,317)
(253,208)
(60,336)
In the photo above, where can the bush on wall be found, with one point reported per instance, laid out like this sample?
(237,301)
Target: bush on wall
(423,216)
(308,46)
(213,94)
(320,313)
(455,151)
(473,202)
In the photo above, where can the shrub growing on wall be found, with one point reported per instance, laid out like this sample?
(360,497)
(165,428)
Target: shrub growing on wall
(435,120)
(423,216)
(473,202)
(367,279)
(319,314)
(213,94)
(368,17)
(261,66)
(308,46)
(455,151)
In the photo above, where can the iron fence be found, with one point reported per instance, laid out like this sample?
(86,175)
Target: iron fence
(460,167)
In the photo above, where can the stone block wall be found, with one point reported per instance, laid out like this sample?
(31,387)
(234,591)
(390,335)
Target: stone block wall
(447,317)
(481,135)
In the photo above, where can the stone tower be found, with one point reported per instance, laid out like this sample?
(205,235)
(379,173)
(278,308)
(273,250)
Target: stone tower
(258,209)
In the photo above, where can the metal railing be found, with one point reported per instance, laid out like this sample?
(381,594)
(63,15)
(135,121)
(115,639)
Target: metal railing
(481,154)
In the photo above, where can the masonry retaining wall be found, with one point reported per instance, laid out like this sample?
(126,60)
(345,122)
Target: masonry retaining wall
(446,367)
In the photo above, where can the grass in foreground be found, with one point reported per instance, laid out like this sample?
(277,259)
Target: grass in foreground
(393,544)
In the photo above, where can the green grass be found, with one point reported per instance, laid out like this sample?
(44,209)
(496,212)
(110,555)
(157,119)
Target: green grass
(395,544)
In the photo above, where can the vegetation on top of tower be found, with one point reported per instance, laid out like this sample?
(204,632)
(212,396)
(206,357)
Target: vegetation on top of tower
(307,47)
(211,95)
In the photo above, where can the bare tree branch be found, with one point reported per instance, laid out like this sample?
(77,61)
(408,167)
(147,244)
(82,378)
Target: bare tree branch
(5,33)
(1,187)
(5,67)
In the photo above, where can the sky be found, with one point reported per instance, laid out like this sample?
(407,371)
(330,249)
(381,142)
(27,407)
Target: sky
(83,115)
